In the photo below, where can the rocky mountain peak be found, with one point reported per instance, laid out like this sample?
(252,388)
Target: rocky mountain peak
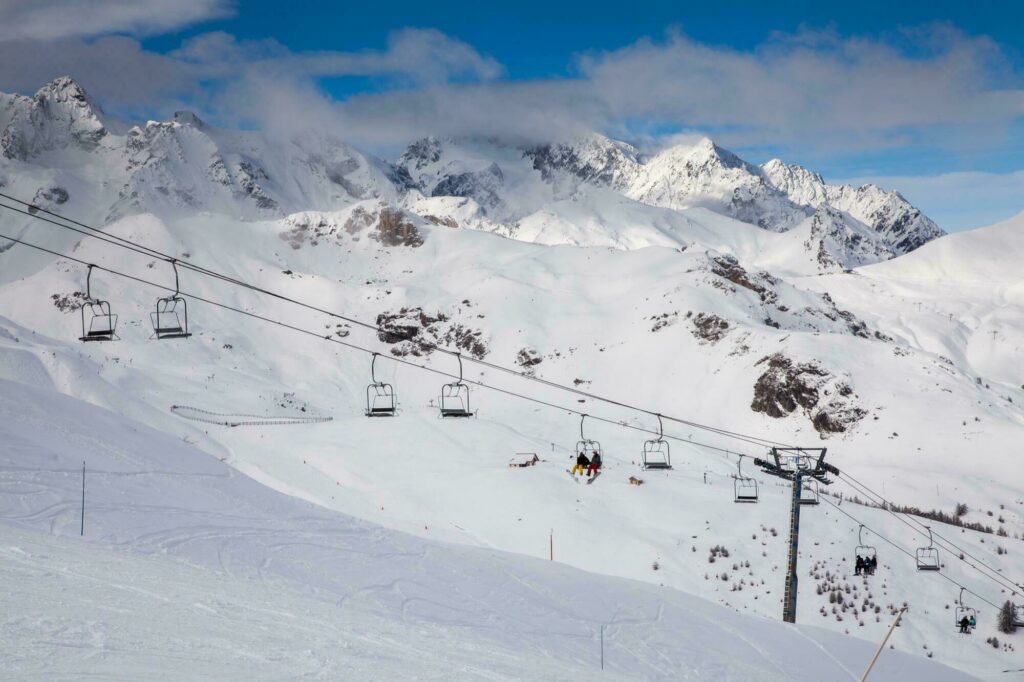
(421,153)
(707,152)
(65,89)
(593,158)
(58,116)
(188,118)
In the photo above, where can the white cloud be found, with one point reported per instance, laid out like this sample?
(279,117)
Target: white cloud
(413,57)
(61,19)
(812,92)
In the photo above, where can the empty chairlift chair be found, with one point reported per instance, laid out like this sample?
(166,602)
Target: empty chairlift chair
(380,396)
(102,323)
(744,487)
(454,400)
(170,321)
(656,453)
(928,557)
(810,493)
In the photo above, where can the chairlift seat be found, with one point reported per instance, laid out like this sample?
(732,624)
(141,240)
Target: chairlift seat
(454,400)
(166,323)
(380,400)
(745,490)
(927,559)
(102,323)
(658,466)
(657,455)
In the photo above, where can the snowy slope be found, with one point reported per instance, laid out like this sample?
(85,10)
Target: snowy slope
(189,569)
(614,320)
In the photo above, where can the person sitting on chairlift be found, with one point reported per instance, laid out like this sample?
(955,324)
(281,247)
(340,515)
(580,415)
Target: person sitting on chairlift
(859,567)
(972,621)
(595,464)
(965,626)
(871,564)
(582,462)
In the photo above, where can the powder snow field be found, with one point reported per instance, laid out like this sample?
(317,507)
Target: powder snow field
(191,570)
(590,312)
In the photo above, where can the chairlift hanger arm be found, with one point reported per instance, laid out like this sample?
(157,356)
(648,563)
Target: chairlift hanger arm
(88,282)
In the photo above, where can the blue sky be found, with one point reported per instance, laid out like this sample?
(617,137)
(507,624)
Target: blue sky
(927,96)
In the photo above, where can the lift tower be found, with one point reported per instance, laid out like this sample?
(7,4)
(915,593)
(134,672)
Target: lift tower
(795,464)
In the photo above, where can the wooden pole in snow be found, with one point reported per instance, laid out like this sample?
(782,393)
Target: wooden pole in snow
(882,645)
(82,530)
(551,545)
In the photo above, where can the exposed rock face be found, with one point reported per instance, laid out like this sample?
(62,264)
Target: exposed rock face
(57,116)
(411,331)
(394,228)
(785,387)
(900,226)
(594,159)
(710,328)
(483,186)
(839,242)
(389,226)
(727,267)
(49,198)
(420,154)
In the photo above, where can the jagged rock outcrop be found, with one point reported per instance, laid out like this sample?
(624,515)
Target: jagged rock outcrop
(57,116)
(785,387)
(901,227)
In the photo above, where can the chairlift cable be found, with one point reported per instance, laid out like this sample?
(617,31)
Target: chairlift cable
(352,346)
(153,253)
(988,572)
(903,550)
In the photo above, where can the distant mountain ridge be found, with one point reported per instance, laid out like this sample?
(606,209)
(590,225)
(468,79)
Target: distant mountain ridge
(577,187)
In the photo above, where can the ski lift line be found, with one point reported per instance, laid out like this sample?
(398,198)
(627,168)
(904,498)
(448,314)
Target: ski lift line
(430,369)
(988,572)
(902,549)
(474,382)
(153,253)
(950,544)
(352,346)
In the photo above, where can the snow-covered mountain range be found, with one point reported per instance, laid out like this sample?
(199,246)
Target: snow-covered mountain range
(591,184)
(757,299)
